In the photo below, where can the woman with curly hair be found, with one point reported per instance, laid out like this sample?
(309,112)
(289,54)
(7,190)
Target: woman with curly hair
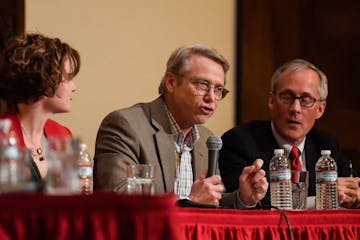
(36,75)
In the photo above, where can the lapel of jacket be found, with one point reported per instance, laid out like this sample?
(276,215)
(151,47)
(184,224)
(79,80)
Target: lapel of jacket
(311,155)
(199,161)
(164,142)
(267,144)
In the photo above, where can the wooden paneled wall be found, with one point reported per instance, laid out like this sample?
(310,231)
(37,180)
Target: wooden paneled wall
(11,18)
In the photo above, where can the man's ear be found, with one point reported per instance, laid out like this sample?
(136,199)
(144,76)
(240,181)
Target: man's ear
(271,100)
(170,81)
(320,109)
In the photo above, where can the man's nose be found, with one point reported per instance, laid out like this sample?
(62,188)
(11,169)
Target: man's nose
(296,105)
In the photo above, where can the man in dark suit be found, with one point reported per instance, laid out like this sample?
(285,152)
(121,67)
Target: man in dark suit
(168,134)
(297,99)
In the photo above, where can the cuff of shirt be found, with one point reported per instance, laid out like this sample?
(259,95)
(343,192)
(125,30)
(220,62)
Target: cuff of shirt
(240,204)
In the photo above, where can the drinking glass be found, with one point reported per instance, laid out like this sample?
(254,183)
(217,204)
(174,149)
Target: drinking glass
(140,179)
(15,170)
(299,186)
(62,154)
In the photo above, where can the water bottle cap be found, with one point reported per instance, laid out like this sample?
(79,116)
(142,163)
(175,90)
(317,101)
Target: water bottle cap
(278,151)
(5,124)
(325,152)
(83,146)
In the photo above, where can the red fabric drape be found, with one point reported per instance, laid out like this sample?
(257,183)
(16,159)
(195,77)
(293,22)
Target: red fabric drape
(100,216)
(269,224)
(111,216)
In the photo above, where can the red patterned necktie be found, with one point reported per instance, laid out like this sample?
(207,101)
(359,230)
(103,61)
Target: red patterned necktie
(294,157)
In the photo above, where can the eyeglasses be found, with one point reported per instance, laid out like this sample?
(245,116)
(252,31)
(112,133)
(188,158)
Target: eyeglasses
(289,98)
(204,87)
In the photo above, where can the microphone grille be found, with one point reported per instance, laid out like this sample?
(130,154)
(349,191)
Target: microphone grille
(214,143)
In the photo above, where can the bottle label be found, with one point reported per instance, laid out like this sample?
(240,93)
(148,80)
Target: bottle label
(324,177)
(10,152)
(85,171)
(280,175)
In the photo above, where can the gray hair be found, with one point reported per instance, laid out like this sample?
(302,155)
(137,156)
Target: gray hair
(298,65)
(178,63)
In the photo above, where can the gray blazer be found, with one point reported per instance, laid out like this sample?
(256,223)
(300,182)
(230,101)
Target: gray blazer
(142,134)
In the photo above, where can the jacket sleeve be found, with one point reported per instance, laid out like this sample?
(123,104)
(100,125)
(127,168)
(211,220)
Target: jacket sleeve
(117,145)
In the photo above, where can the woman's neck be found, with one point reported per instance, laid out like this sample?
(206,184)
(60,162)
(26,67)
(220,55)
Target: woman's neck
(33,119)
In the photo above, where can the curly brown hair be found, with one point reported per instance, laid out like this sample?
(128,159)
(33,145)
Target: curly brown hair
(32,65)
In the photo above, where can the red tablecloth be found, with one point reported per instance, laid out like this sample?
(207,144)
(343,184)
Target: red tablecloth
(269,224)
(99,216)
(112,216)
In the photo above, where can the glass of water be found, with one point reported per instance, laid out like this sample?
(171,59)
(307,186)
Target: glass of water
(299,186)
(140,179)
(62,177)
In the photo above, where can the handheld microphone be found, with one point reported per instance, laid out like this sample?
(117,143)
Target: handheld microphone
(213,144)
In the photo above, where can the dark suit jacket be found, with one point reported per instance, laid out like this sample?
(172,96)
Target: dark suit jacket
(245,143)
(142,134)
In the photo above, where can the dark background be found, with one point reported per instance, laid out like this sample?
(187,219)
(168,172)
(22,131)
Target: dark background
(324,32)
(11,22)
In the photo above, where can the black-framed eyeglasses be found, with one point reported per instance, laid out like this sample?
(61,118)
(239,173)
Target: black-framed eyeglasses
(203,87)
(305,101)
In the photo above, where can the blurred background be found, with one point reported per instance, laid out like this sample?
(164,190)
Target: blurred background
(124,46)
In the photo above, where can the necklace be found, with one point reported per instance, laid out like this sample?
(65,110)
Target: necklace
(38,150)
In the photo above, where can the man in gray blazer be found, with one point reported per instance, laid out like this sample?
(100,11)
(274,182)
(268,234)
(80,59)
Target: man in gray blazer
(168,134)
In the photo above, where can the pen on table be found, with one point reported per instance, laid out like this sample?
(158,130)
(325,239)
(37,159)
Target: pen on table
(351,168)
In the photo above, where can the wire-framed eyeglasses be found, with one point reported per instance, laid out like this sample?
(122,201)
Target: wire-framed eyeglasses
(289,98)
(204,87)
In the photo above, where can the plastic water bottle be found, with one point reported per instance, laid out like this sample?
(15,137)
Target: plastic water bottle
(9,153)
(280,180)
(85,164)
(326,176)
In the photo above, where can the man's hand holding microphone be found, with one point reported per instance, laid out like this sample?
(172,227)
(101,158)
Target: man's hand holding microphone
(208,188)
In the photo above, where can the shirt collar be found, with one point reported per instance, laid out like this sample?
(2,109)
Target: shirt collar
(179,137)
(283,144)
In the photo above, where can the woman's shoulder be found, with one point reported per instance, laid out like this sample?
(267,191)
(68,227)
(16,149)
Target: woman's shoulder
(53,128)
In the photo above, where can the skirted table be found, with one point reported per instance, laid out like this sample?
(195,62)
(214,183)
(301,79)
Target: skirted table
(113,216)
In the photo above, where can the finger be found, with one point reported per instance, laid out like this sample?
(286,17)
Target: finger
(347,193)
(217,195)
(349,182)
(258,176)
(258,196)
(348,196)
(245,174)
(215,179)
(218,188)
(346,200)
(347,190)
(203,176)
(355,180)
(257,166)
(261,187)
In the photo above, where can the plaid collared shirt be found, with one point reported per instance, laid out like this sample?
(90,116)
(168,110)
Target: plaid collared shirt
(183,145)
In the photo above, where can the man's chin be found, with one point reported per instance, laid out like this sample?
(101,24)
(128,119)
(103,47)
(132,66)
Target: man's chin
(202,120)
(294,138)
